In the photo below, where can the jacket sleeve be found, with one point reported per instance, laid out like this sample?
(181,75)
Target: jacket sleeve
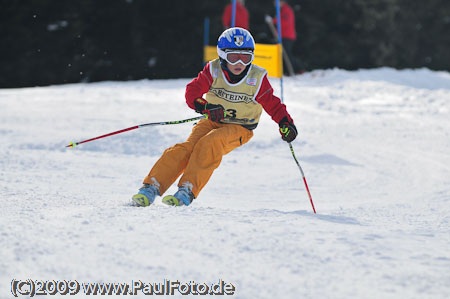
(198,86)
(271,103)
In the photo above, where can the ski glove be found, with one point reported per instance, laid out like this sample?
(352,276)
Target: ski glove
(288,130)
(211,111)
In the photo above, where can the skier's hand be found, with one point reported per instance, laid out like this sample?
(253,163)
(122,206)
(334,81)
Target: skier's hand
(214,112)
(199,104)
(268,19)
(288,130)
(211,111)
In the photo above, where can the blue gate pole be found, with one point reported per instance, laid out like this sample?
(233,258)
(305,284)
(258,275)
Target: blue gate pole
(279,42)
(205,38)
(233,14)
(206,32)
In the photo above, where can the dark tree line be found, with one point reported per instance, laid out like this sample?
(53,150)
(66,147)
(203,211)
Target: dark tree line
(46,42)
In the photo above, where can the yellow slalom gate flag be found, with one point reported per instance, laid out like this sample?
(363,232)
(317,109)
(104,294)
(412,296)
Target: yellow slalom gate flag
(209,53)
(267,56)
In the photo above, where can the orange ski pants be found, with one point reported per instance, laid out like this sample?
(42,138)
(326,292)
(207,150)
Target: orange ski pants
(198,156)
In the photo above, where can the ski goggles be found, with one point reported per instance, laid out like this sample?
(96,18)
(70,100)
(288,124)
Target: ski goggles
(234,57)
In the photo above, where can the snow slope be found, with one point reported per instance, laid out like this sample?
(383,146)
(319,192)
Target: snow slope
(374,146)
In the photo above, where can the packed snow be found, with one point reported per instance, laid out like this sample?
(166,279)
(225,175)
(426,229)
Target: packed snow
(374,146)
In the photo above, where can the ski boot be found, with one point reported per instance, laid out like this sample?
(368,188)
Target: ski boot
(183,197)
(146,195)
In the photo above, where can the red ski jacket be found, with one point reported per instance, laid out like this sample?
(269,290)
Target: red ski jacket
(241,19)
(287,22)
(270,103)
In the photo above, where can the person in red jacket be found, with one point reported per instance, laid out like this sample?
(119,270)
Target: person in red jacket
(288,32)
(241,17)
(231,93)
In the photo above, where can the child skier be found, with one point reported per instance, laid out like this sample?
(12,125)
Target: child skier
(236,92)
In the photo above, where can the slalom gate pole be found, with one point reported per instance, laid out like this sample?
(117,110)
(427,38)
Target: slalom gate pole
(163,123)
(280,42)
(233,14)
(303,175)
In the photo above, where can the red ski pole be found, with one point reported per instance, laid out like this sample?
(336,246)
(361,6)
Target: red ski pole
(175,122)
(303,175)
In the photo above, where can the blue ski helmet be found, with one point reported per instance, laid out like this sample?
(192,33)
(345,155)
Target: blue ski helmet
(235,39)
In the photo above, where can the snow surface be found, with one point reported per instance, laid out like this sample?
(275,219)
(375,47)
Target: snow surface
(374,146)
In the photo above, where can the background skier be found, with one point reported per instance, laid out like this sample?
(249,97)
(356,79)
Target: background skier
(241,15)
